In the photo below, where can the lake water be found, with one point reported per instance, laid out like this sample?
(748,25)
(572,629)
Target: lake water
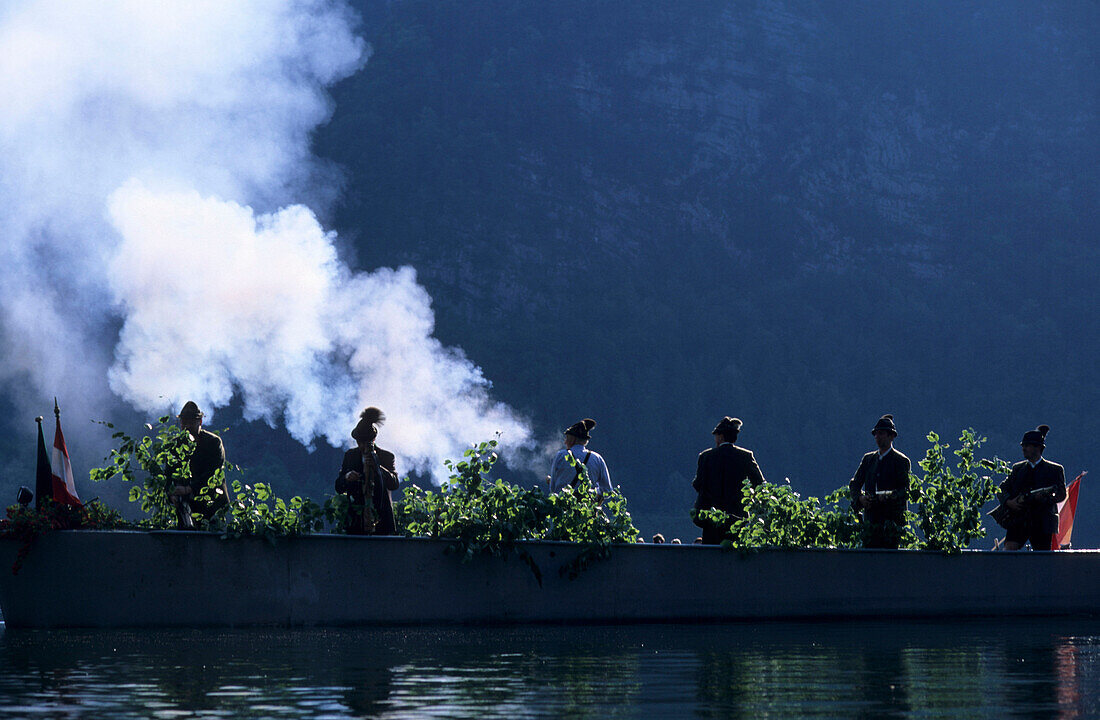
(871,669)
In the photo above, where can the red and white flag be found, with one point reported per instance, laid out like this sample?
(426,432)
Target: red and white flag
(64,489)
(1066,510)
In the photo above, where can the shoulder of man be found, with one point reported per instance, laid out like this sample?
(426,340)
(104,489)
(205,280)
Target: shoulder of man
(742,452)
(207,436)
(1020,466)
(899,455)
(384,456)
(1050,467)
(868,457)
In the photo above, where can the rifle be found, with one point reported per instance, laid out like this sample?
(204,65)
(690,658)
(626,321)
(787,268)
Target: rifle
(1004,516)
(878,496)
(375,478)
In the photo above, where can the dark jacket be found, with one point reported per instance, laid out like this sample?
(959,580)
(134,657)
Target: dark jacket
(208,457)
(1040,513)
(383,503)
(889,473)
(719,478)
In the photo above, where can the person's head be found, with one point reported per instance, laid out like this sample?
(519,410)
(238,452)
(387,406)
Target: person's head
(884,432)
(190,418)
(578,432)
(658,539)
(366,430)
(1034,442)
(726,430)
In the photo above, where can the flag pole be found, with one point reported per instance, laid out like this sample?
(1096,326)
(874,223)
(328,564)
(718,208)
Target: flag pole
(43,483)
(64,489)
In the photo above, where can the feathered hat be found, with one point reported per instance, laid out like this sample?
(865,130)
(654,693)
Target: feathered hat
(367,428)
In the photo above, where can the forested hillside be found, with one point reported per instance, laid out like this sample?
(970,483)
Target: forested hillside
(656,214)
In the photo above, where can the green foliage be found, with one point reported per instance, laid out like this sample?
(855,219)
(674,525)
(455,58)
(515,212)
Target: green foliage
(26,523)
(484,517)
(949,503)
(256,511)
(154,465)
(777,516)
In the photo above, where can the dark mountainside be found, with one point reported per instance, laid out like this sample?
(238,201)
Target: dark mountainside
(802,214)
(656,214)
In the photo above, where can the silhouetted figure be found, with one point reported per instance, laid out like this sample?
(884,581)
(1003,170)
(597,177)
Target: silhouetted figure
(880,488)
(1030,495)
(193,497)
(368,470)
(720,477)
(563,475)
(658,539)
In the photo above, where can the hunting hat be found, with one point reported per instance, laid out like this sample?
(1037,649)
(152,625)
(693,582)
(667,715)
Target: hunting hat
(886,422)
(727,426)
(190,411)
(366,430)
(580,429)
(1038,436)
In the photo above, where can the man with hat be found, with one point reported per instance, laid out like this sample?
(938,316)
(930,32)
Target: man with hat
(1030,495)
(564,474)
(880,488)
(368,470)
(194,498)
(720,478)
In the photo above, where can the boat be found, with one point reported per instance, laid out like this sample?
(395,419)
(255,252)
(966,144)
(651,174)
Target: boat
(126,578)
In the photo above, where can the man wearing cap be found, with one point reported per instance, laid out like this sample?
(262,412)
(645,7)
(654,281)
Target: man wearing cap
(720,478)
(563,474)
(368,466)
(1030,495)
(880,488)
(207,458)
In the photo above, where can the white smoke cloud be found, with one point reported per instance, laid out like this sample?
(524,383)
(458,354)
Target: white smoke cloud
(155,177)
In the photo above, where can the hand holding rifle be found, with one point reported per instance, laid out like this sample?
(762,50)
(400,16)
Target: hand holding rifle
(1004,514)
(878,497)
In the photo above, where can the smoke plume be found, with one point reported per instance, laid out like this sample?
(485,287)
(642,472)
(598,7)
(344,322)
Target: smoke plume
(156,236)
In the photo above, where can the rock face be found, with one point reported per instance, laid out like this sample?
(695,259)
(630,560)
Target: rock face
(803,214)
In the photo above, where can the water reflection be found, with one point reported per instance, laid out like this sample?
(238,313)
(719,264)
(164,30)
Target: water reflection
(865,669)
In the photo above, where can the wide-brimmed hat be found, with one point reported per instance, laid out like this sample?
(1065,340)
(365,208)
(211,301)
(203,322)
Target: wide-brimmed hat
(1038,436)
(581,429)
(190,411)
(886,422)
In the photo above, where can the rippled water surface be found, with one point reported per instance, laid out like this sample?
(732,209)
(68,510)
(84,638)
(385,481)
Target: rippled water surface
(1027,668)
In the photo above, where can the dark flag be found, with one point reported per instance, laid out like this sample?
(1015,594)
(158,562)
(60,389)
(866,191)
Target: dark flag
(43,484)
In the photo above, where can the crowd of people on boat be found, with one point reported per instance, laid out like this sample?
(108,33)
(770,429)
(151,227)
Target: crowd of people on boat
(1028,497)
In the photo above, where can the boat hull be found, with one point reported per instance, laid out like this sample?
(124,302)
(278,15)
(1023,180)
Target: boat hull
(176,579)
